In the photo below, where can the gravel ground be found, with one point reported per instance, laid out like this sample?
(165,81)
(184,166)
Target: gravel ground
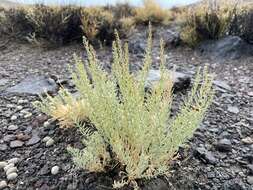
(219,156)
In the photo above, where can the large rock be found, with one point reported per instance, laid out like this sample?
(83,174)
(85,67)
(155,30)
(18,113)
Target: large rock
(171,38)
(180,81)
(34,85)
(230,47)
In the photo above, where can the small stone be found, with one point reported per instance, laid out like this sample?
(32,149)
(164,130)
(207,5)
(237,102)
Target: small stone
(55,170)
(247,140)
(14,117)
(34,140)
(12,127)
(3,184)
(22,137)
(45,139)
(46,124)
(233,109)
(8,138)
(250,180)
(224,145)
(19,107)
(13,161)
(11,170)
(16,144)
(8,167)
(3,147)
(250,94)
(12,176)
(50,142)
(28,115)
(3,164)
(204,155)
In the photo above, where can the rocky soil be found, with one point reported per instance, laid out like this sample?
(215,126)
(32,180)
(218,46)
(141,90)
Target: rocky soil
(33,149)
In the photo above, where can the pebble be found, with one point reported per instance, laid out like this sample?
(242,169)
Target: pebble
(45,139)
(224,145)
(13,161)
(3,164)
(247,140)
(28,115)
(233,109)
(8,138)
(3,184)
(19,107)
(3,147)
(46,124)
(34,140)
(14,117)
(50,142)
(12,176)
(12,127)
(55,170)
(8,167)
(11,170)
(16,144)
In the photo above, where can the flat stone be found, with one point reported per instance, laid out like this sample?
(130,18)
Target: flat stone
(3,147)
(34,85)
(224,145)
(16,144)
(45,139)
(12,127)
(250,180)
(3,184)
(12,176)
(34,140)
(204,155)
(222,84)
(250,93)
(8,138)
(247,140)
(180,81)
(233,109)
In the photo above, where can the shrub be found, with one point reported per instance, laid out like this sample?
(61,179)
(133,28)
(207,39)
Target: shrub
(206,22)
(99,24)
(133,128)
(242,24)
(151,12)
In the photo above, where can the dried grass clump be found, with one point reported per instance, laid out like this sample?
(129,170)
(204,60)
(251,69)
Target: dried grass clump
(99,24)
(151,12)
(133,128)
(208,21)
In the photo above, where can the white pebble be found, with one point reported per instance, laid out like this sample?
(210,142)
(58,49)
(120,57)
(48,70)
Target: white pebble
(8,166)
(3,184)
(11,170)
(19,107)
(12,127)
(14,117)
(28,115)
(50,142)
(46,124)
(55,170)
(45,139)
(12,176)
(3,165)
(13,160)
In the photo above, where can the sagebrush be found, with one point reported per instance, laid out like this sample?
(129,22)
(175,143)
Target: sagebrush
(133,128)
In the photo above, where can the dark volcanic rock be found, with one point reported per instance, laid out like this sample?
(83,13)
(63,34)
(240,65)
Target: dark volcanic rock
(224,145)
(137,46)
(34,85)
(204,155)
(230,47)
(180,81)
(171,38)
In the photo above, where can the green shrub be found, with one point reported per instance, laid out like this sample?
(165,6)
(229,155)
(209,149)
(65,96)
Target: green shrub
(133,128)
